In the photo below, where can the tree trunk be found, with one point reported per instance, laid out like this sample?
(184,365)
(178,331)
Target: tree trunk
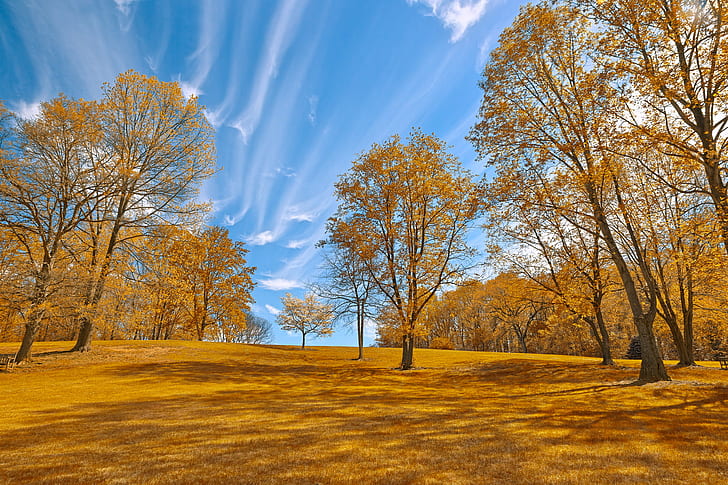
(31,330)
(521,335)
(303,341)
(677,339)
(360,332)
(652,368)
(85,333)
(669,316)
(36,313)
(604,341)
(408,343)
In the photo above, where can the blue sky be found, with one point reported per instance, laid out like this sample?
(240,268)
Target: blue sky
(295,89)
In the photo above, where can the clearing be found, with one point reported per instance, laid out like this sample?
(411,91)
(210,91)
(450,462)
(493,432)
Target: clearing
(191,412)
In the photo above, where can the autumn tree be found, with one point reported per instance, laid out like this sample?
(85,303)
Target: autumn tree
(463,315)
(404,210)
(306,315)
(49,184)
(531,235)
(680,229)
(161,148)
(670,59)
(548,108)
(197,279)
(519,304)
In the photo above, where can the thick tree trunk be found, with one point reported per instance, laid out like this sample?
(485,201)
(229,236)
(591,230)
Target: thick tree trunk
(408,344)
(652,368)
(36,313)
(31,330)
(303,341)
(85,333)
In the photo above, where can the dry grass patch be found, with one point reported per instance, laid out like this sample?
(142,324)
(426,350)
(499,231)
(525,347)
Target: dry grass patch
(183,412)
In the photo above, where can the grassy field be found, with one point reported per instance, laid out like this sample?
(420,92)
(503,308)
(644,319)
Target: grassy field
(183,412)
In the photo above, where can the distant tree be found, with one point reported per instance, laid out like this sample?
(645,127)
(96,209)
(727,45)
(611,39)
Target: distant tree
(404,211)
(308,316)
(257,330)
(519,304)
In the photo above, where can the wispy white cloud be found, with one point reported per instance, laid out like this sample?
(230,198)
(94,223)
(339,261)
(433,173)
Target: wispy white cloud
(277,41)
(370,329)
(260,188)
(127,10)
(456,15)
(294,214)
(262,238)
(86,57)
(286,171)
(280,284)
(296,243)
(189,90)
(272,310)
(209,43)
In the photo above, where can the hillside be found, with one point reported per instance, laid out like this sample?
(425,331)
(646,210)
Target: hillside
(187,412)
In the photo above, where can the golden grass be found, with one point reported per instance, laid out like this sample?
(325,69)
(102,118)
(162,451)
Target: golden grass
(184,412)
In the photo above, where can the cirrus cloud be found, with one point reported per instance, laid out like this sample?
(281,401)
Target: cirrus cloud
(280,284)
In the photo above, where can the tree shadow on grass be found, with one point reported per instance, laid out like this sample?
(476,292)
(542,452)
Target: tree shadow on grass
(238,421)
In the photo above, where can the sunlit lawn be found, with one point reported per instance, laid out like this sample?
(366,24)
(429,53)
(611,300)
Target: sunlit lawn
(181,412)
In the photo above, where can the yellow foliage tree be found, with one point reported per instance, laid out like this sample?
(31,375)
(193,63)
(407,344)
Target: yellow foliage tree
(160,148)
(404,210)
(49,184)
(203,278)
(550,110)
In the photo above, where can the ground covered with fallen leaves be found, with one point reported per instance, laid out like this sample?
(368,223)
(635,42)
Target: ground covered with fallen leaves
(190,412)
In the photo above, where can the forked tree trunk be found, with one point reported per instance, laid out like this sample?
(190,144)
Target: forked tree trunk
(599,332)
(652,368)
